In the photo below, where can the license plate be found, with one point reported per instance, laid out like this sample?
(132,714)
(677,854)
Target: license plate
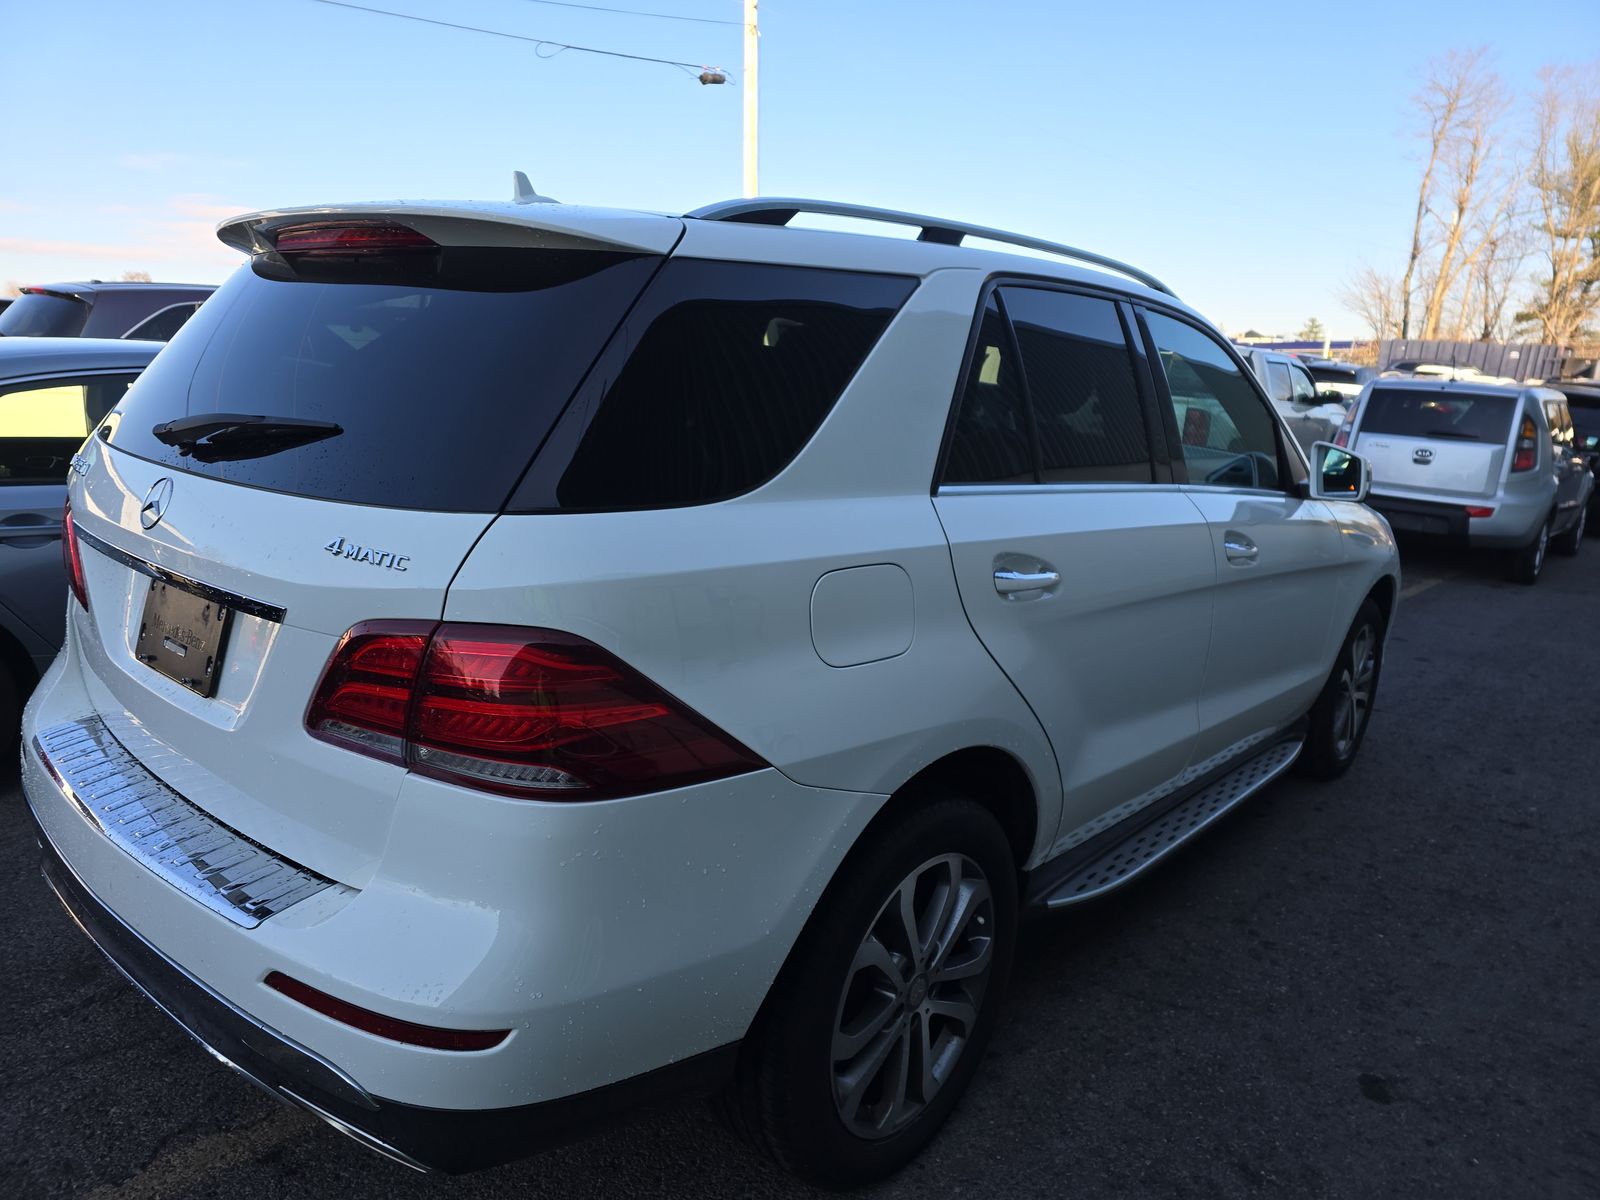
(181,635)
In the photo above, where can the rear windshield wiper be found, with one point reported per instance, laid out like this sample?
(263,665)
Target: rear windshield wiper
(220,437)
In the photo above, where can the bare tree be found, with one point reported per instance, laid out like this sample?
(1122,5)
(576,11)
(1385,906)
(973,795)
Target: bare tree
(1440,101)
(1566,185)
(1375,298)
(136,277)
(1501,247)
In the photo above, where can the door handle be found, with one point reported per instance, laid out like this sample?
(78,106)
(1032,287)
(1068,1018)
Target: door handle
(1009,582)
(1239,548)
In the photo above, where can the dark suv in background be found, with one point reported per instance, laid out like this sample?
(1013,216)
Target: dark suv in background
(1583,399)
(144,311)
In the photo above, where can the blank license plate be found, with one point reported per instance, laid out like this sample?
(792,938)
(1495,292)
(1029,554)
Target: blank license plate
(182,635)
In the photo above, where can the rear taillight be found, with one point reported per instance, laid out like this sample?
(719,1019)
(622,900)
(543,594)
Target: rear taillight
(1527,455)
(522,712)
(71,558)
(350,238)
(1342,438)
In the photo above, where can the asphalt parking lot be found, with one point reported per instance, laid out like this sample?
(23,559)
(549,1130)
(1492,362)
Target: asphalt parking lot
(1386,986)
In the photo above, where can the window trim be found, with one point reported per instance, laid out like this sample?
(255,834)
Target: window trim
(1292,473)
(1162,468)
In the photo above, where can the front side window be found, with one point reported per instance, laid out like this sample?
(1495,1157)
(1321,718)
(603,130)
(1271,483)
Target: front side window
(990,442)
(1080,382)
(1302,389)
(43,422)
(1229,436)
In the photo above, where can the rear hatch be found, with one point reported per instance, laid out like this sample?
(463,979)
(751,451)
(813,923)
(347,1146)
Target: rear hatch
(321,445)
(1446,441)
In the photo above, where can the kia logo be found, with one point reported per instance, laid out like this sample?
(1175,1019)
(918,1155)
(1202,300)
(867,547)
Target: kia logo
(1423,456)
(155,502)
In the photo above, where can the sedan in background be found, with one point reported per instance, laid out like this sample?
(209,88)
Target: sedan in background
(53,391)
(139,311)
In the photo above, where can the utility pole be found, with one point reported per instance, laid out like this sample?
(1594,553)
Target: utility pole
(752,99)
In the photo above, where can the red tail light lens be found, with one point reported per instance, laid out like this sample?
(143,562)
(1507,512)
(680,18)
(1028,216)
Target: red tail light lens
(1527,455)
(392,1028)
(523,712)
(1474,510)
(71,558)
(347,238)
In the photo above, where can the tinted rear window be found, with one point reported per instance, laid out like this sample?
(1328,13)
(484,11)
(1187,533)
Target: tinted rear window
(1585,409)
(1333,374)
(443,371)
(718,378)
(1461,416)
(38,315)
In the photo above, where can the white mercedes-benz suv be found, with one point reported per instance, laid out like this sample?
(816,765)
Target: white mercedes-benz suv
(525,659)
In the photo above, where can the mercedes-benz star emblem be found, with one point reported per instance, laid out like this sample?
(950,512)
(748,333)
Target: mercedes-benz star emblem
(155,502)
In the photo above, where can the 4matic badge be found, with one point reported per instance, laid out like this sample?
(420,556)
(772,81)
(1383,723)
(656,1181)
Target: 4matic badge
(340,548)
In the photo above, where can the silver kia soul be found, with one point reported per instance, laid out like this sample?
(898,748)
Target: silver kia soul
(524,660)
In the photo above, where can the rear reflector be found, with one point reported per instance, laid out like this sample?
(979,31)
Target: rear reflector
(1475,511)
(71,559)
(534,713)
(348,238)
(379,1025)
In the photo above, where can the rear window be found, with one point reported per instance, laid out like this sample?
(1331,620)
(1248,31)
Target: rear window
(1333,374)
(35,314)
(718,378)
(442,372)
(1463,416)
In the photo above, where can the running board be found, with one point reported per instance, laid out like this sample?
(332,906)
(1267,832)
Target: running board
(1149,844)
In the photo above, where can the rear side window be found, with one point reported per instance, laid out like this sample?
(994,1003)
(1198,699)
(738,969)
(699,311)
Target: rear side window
(990,442)
(1418,413)
(1079,374)
(1586,420)
(730,368)
(1278,380)
(43,422)
(439,372)
(35,314)
(159,327)
(1229,436)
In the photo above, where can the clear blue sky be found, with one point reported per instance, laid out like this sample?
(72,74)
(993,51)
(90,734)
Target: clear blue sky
(1252,155)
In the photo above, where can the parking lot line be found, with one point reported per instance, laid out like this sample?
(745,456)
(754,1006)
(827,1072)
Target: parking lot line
(1422,585)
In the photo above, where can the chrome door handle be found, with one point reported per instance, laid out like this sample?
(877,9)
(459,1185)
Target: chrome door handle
(1239,548)
(1009,582)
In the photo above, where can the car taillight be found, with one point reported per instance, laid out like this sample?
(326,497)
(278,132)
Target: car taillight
(522,712)
(1527,456)
(71,558)
(350,238)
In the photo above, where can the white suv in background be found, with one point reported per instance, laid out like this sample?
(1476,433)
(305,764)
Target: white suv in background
(1310,414)
(525,659)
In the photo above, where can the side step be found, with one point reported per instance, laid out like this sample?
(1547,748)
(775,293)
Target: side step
(1149,844)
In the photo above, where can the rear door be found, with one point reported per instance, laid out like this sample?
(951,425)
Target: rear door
(1277,555)
(43,421)
(320,446)
(1451,442)
(1570,465)
(1086,573)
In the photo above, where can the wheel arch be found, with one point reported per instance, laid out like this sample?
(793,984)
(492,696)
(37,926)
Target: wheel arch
(1384,594)
(988,775)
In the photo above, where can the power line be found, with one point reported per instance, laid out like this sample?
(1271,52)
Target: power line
(634,12)
(537,41)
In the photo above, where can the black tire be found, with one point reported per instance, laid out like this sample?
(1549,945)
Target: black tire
(784,1099)
(1527,564)
(1570,542)
(1331,745)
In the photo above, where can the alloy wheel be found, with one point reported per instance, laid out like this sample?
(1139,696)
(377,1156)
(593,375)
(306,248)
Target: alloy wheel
(1356,678)
(912,995)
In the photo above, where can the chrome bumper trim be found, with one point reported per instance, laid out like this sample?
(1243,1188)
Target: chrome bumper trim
(227,872)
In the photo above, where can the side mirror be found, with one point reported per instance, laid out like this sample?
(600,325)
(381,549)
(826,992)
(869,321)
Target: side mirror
(1338,474)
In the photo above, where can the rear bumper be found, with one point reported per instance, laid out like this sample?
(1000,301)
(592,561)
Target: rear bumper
(425,1139)
(1514,524)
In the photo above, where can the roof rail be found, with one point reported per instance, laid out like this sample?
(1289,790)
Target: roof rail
(780,210)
